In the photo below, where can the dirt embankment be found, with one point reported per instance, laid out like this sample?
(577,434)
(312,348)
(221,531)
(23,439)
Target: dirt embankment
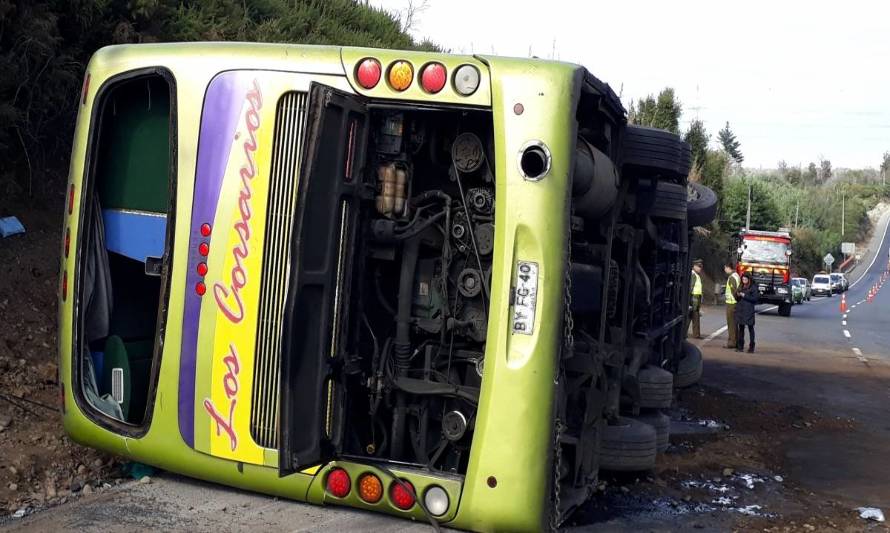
(39,465)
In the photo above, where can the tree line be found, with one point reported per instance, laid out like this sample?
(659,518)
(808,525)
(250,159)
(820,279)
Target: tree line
(46,44)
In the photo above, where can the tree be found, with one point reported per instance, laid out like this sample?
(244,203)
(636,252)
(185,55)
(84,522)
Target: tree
(698,138)
(662,112)
(730,144)
(824,170)
(765,212)
(782,167)
(809,177)
(713,171)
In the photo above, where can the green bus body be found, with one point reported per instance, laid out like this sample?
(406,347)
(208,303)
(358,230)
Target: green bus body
(507,478)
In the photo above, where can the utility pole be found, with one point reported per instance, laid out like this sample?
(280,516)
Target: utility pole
(797,213)
(843,211)
(748,215)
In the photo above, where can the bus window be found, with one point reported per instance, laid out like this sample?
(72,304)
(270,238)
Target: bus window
(127,223)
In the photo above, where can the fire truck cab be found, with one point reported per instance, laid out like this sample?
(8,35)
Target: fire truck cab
(766,255)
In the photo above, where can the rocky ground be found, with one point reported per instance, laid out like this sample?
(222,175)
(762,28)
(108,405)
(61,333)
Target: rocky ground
(39,465)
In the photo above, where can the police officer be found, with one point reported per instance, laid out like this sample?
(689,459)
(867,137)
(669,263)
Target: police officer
(695,314)
(732,285)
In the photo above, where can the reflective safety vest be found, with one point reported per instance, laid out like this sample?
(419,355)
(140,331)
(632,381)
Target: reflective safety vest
(696,284)
(730,290)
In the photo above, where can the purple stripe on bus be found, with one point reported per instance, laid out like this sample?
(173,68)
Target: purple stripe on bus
(222,107)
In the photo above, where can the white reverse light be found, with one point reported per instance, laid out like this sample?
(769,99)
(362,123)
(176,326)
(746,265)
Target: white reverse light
(436,500)
(466,79)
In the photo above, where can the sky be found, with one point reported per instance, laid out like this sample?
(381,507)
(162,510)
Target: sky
(797,81)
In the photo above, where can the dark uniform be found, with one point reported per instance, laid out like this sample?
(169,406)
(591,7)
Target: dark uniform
(744,314)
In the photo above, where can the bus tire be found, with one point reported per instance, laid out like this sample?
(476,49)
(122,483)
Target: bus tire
(628,446)
(662,425)
(689,369)
(784,309)
(670,201)
(656,387)
(653,152)
(702,205)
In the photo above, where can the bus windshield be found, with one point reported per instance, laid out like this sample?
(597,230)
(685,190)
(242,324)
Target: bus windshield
(762,251)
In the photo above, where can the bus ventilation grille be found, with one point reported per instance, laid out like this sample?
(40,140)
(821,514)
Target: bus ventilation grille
(290,123)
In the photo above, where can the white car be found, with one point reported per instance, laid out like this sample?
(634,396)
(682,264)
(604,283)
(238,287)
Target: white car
(822,285)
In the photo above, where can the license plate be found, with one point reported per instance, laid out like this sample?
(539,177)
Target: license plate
(525,297)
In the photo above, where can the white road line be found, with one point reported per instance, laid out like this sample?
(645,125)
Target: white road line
(846,334)
(859,355)
(845,316)
(843,322)
(714,335)
(873,259)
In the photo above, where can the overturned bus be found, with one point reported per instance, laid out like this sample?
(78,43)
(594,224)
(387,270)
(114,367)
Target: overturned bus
(447,288)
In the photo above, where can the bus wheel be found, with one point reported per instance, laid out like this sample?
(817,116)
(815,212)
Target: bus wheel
(662,425)
(689,370)
(652,152)
(785,309)
(656,387)
(702,206)
(628,446)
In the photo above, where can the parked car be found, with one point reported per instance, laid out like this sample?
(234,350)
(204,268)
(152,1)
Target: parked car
(805,287)
(845,282)
(821,285)
(798,290)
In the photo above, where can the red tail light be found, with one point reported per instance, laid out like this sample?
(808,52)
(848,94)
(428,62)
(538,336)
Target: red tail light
(401,496)
(338,483)
(204,249)
(64,285)
(202,269)
(67,240)
(200,288)
(368,73)
(205,229)
(433,77)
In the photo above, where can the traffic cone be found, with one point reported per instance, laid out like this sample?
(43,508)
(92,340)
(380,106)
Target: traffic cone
(843,303)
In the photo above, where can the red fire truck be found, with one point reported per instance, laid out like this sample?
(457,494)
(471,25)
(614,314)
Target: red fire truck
(766,255)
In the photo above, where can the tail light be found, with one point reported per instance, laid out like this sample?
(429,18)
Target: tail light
(204,249)
(368,73)
(200,288)
(401,74)
(338,483)
(64,285)
(402,495)
(435,499)
(433,77)
(67,240)
(370,489)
